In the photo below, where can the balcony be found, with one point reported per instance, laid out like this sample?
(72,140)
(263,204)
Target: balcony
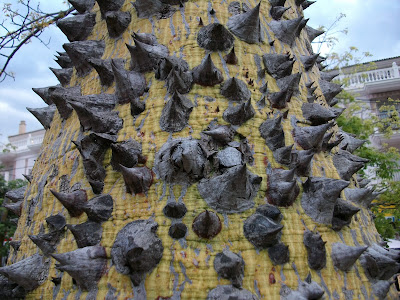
(373,81)
(22,143)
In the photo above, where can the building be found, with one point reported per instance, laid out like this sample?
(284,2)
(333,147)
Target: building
(374,86)
(18,157)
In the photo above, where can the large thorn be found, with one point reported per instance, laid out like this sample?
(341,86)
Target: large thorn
(301,161)
(44,115)
(176,113)
(86,234)
(97,120)
(240,113)
(320,196)
(344,257)
(63,60)
(222,134)
(104,69)
(279,254)
(16,195)
(247,26)
(328,76)
(14,207)
(129,85)
(230,292)
(313,33)
(47,242)
(144,56)
(231,58)
(79,27)
(306,4)
(29,273)
(290,84)
(107,5)
(381,288)
(350,143)
(180,161)
(44,93)
(330,90)
(215,37)
(230,265)
(117,22)
(82,6)
(347,164)
(127,153)
(235,90)
(179,81)
(136,254)
(286,31)
(207,225)
(282,188)
(278,11)
(231,192)
(278,65)
(277,2)
(85,265)
(362,197)
(262,231)
(284,155)
(309,289)
(342,214)
(137,180)
(206,73)
(316,251)
(272,131)
(378,265)
(175,210)
(99,209)
(156,8)
(318,114)
(59,97)
(63,75)
(73,202)
(81,52)
(311,137)
(56,222)
(92,148)
(309,61)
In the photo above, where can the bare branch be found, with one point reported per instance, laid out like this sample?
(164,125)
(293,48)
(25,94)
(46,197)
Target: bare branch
(21,28)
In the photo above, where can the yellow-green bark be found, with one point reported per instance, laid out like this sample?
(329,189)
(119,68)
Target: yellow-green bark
(197,257)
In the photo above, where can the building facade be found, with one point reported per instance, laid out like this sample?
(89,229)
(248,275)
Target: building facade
(18,157)
(374,84)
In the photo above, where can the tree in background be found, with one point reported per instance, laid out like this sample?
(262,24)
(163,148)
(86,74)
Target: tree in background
(358,120)
(22,22)
(7,218)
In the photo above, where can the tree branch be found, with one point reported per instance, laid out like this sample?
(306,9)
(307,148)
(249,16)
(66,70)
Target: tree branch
(30,25)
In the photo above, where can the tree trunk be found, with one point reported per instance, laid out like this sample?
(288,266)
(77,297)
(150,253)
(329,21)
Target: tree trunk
(176,170)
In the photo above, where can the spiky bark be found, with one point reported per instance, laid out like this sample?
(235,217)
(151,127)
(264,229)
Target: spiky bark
(163,155)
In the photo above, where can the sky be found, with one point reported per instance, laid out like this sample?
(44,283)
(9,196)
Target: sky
(372,25)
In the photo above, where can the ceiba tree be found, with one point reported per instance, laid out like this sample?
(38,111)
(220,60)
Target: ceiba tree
(192,153)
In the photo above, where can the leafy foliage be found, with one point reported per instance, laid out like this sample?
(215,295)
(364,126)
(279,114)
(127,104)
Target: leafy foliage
(383,162)
(7,226)
(359,120)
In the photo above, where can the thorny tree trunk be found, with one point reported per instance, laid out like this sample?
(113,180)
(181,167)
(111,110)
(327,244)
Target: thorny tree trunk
(205,162)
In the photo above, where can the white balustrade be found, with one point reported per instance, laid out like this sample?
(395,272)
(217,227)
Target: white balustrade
(361,78)
(24,142)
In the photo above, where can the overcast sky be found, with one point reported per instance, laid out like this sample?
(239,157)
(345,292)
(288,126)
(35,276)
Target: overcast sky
(373,26)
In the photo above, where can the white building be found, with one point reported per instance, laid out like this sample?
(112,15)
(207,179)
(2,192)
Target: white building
(374,87)
(19,157)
